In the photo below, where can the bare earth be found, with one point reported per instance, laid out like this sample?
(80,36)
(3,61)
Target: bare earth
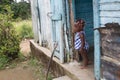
(22,71)
(25,47)
(18,73)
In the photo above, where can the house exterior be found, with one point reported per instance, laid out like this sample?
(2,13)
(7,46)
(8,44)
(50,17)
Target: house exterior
(53,21)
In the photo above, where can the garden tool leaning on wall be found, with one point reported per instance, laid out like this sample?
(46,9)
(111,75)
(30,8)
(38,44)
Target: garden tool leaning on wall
(55,46)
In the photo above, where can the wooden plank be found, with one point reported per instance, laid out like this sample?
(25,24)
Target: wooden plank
(61,6)
(112,14)
(96,40)
(35,19)
(112,1)
(110,39)
(67,29)
(57,24)
(111,7)
(45,22)
(111,68)
(72,17)
(104,20)
(111,60)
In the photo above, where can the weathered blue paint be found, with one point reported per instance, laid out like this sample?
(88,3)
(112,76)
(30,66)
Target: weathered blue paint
(105,11)
(68,19)
(109,11)
(109,6)
(57,24)
(56,17)
(96,40)
(74,9)
(104,1)
(84,10)
(66,27)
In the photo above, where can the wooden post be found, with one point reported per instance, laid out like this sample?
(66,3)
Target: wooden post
(71,23)
(97,54)
(34,19)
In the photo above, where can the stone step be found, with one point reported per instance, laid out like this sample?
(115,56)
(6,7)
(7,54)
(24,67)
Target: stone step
(72,69)
(63,78)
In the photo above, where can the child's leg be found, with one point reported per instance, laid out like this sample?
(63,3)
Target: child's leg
(85,58)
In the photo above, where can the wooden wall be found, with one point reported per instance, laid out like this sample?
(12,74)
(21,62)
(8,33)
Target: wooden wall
(45,21)
(35,19)
(110,39)
(41,22)
(109,11)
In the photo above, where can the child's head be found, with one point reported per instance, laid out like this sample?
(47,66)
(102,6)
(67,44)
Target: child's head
(79,25)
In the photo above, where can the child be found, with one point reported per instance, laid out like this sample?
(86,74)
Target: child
(80,43)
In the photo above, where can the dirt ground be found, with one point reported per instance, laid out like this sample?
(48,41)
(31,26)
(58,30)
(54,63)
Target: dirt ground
(22,71)
(25,47)
(18,73)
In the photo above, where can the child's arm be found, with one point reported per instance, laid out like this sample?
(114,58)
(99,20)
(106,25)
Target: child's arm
(82,41)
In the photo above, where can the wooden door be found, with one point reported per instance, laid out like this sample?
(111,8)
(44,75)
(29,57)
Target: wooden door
(57,27)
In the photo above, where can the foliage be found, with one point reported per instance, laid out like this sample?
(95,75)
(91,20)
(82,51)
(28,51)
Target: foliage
(21,10)
(9,40)
(18,10)
(6,11)
(33,62)
(40,71)
(5,6)
(24,29)
(6,1)
(26,32)
(3,61)
(9,45)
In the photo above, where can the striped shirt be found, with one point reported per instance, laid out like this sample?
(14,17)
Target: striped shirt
(77,41)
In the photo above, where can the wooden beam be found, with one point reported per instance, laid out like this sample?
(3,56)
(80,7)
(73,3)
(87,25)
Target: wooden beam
(71,12)
(97,54)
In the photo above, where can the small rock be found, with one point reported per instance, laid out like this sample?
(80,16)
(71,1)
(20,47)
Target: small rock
(7,67)
(37,79)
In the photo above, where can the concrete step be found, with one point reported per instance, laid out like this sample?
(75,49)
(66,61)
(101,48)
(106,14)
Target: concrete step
(63,78)
(72,69)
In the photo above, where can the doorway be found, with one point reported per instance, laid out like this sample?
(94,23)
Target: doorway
(83,9)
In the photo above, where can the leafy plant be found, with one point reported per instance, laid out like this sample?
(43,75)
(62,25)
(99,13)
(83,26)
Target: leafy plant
(9,45)
(21,10)
(3,61)
(26,31)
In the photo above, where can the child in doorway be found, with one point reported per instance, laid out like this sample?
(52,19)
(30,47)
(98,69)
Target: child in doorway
(80,43)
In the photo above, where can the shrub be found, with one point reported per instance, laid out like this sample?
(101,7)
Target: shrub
(3,61)
(21,10)
(9,41)
(26,32)
(24,29)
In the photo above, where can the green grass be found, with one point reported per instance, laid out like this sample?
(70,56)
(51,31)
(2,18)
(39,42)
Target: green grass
(24,29)
(40,71)
(6,63)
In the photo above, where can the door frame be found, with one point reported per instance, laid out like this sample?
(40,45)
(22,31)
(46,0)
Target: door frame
(97,54)
(96,23)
